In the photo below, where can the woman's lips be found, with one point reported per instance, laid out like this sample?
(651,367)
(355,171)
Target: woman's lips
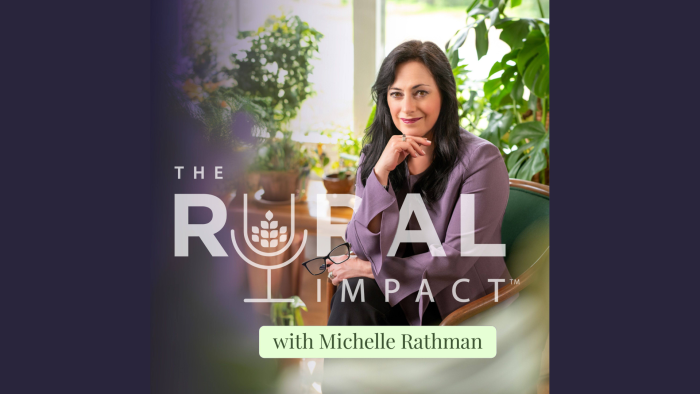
(410,120)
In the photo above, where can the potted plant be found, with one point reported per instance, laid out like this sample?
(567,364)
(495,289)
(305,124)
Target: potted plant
(229,117)
(288,313)
(282,165)
(341,177)
(274,73)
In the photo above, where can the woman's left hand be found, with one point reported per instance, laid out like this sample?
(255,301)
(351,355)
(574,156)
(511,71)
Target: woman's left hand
(354,267)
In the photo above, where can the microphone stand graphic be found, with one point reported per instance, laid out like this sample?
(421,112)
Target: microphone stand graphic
(268,254)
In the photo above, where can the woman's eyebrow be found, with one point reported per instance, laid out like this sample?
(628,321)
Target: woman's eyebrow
(421,84)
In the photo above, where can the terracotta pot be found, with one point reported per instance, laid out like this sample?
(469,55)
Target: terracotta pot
(338,186)
(252,182)
(279,185)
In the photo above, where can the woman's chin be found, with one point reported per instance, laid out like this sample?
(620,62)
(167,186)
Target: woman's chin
(414,132)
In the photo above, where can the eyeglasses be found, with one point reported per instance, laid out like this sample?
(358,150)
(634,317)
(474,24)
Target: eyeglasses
(338,255)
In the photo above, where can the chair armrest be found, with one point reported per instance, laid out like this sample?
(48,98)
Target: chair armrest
(489,301)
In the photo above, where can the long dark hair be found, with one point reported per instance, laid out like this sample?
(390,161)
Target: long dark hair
(446,139)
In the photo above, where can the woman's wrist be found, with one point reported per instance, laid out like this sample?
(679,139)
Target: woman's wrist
(368,269)
(382,176)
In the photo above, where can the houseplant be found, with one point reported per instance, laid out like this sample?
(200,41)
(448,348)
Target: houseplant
(274,74)
(282,165)
(518,126)
(216,100)
(288,313)
(341,176)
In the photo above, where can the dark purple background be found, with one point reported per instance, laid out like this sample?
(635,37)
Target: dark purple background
(78,195)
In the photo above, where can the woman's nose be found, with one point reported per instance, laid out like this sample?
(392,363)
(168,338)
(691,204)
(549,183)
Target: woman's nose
(409,105)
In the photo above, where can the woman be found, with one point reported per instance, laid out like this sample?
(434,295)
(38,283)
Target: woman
(415,145)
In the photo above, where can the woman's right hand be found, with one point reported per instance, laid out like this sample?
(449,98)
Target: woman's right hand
(396,151)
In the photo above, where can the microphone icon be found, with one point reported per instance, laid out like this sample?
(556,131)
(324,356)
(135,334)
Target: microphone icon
(268,236)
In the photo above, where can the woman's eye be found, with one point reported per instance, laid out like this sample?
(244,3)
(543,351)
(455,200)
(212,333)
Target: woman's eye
(395,94)
(421,93)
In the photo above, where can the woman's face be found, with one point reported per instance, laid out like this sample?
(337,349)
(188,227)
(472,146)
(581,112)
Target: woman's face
(414,99)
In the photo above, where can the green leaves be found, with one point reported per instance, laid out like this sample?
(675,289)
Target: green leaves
(499,124)
(530,130)
(525,146)
(495,68)
(288,313)
(518,89)
(491,86)
(276,68)
(453,56)
(510,80)
(533,63)
(452,46)
(493,16)
(459,38)
(514,33)
(482,39)
(371,116)
(479,10)
(530,157)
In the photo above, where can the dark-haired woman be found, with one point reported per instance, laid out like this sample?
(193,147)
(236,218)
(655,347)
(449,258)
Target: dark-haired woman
(415,145)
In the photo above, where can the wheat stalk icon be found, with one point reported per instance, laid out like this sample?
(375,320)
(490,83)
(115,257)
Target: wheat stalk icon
(269,233)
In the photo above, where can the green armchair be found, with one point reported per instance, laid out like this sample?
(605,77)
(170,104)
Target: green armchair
(525,232)
(521,317)
(527,213)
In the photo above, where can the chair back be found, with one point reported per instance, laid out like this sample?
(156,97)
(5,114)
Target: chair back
(528,206)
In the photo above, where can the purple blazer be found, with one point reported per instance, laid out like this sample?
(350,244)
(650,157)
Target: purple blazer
(481,172)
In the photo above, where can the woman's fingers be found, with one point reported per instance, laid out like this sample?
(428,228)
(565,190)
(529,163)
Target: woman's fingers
(399,154)
(337,277)
(419,140)
(406,146)
(416,147)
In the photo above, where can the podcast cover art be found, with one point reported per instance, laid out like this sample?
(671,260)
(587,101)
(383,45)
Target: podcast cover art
(351,196)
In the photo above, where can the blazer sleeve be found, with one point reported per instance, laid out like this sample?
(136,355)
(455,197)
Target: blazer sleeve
(486,178)
(365,244)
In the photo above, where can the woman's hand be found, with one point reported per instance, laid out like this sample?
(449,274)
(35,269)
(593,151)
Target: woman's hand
(354,267)
(395,152)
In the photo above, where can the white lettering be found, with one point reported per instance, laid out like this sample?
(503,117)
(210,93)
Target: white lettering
(427,234)
(360,286)
(454,290)
(184,230)
(424,282)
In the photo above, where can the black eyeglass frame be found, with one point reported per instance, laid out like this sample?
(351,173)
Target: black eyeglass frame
(329,257)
